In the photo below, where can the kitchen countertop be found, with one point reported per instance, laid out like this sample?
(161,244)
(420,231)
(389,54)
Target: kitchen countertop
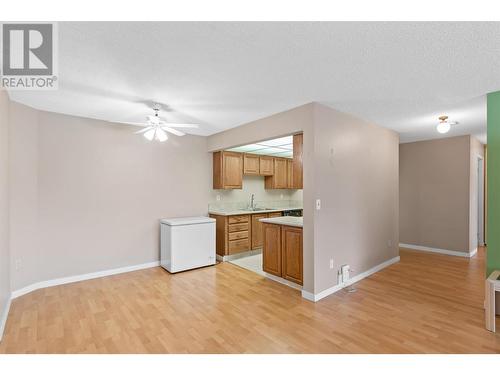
(249,212)
(292,221)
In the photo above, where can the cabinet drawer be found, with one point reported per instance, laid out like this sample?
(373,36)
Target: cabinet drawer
(275,214)
(238,219)
(237,227)
(238,235)
(238,246)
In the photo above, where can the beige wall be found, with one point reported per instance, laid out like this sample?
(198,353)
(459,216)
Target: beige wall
(285,123)
(87,195)
(476,151)
(23,185)
(356,178)
(435,193)
(4,207)
(352,227)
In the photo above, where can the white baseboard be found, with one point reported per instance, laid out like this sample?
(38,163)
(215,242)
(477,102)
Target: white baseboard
(87,276)
(3,318)
(228,258)
(316,297)
(439,251)
(281,280)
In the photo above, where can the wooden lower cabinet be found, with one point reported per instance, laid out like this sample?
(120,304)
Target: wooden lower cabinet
(275,214)
(291,254)
(233,234)
(271,253)
(257,230)
(239,233)
(282,252)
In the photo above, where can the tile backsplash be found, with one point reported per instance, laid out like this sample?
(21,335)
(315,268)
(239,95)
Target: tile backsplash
(240,199)
(243,205)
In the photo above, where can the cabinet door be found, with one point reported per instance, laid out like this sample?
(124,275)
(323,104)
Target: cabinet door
(257,230)
(238,246)
(297,161)
(271,252)
(251,164)
(291,247)
(266,166)
(280,176)
(232,170)
(289,174)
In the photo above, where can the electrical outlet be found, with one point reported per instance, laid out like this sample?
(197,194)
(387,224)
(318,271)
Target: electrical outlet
(318,204)
(389,243)
(345,271)
(281,196)
(18,264)
(331,263)
(218,197)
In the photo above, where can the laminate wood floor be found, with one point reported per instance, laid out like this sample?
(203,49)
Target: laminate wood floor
(427,303)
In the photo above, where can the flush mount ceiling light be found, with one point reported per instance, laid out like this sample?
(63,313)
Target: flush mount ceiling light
(444,125)
(157,128)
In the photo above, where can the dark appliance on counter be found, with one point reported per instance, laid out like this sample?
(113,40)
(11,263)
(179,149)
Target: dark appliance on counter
(297,213)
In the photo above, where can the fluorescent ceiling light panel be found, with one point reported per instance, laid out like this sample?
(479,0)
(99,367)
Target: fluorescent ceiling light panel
(265,151)
(277,142)
(274,147)
(285,154)
(247,148)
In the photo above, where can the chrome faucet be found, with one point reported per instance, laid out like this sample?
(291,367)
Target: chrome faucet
(252,201)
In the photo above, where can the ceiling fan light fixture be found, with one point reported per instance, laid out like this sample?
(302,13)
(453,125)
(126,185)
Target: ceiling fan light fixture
(150,134)
(444,126)
(156,128)
(161,135)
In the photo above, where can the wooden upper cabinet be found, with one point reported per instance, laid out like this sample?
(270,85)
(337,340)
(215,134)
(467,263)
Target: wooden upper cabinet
(227,170)
(289,174)
(297,173)
(291,254)
(271,253)
(280,170)
(266,165)
(251,164)
(279,180)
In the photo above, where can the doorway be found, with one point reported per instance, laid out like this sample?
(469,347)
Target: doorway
(480,201)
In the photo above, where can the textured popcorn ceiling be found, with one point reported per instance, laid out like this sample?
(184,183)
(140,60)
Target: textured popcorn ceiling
(399,75)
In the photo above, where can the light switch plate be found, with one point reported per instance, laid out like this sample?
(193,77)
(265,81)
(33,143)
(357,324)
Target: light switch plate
(318,204)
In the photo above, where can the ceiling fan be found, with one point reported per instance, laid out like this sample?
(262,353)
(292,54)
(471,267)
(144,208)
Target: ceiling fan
(157,129)
(444,124)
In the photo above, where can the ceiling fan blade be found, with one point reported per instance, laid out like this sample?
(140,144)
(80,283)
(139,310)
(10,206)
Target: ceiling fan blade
(144,130)
(190,126)
(173,131)
(129,123)
(153,119)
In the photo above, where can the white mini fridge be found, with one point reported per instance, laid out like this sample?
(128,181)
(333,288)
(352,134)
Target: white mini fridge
(187,243)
